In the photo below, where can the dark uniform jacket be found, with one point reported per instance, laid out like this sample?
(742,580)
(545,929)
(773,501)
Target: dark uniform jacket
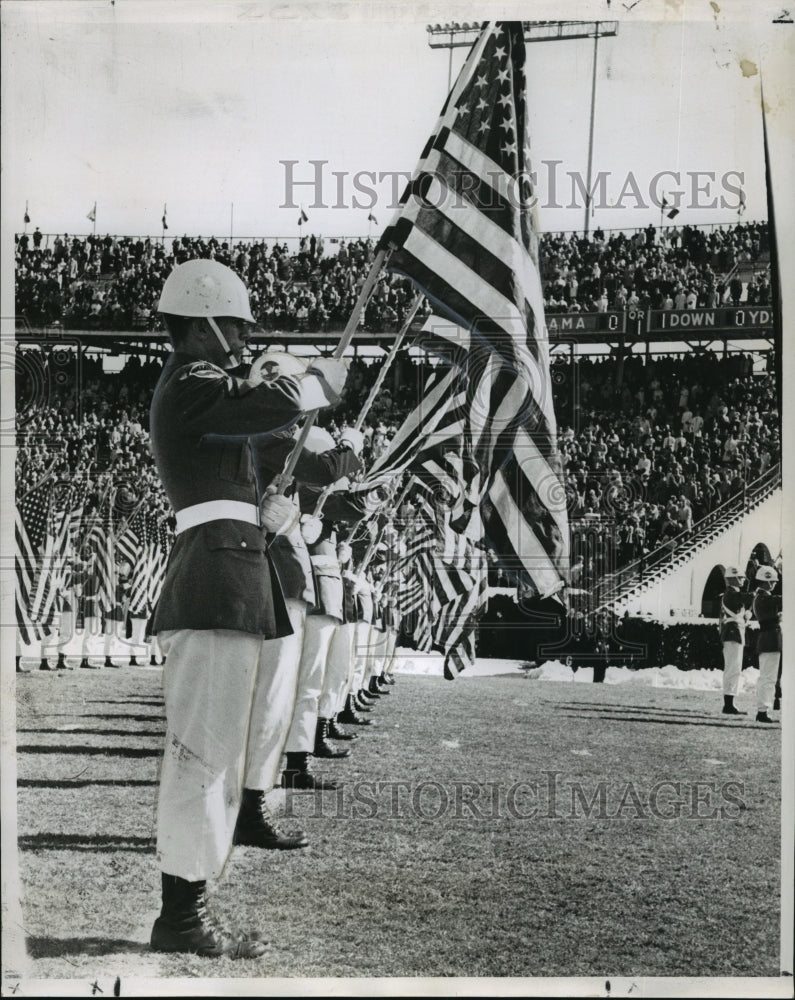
(732,620)
(219,575)
(767,610)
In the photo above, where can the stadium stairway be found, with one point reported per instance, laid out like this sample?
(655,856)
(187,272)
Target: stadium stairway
(671,579)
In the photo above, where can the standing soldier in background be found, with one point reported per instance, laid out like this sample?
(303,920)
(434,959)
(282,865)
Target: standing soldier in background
(734,614)
(767,611)
(220,599)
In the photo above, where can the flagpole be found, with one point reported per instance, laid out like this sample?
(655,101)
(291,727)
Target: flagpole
(231,223)
(353,322)
(357,426)
(25,220)
(94,220)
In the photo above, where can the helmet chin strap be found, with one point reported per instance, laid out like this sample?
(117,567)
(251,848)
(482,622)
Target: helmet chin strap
(231,360)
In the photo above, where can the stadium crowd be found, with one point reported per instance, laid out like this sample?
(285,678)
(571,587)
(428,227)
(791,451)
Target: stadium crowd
(113,282)
(654,268)
(649,447)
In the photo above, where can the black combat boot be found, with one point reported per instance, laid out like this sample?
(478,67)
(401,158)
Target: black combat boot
(45,664)
(351,716)
(324,748)
(336,732)
(297,775)
(183,925)
(728,706)
(256,826)
(764,717)
(376,689)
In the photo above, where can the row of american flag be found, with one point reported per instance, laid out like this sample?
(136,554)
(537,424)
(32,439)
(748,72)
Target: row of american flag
(69,547)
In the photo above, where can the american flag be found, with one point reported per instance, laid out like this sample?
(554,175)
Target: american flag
(414,570)
(467,238)
(31,524)
(160,552)
(98,547)
(461,590)
(133,546)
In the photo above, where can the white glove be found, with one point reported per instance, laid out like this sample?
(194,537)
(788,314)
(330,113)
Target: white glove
(311,528)
(344,553)
(360,584)
(279,516)
(353,438)
(333,370)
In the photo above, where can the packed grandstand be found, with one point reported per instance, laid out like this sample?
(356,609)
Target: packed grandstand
(652,444)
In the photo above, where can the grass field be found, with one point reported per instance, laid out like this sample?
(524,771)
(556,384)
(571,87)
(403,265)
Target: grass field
(487,827)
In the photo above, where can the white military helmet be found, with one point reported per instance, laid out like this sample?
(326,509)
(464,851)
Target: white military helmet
(766,574)
(319,440)
(732,571)
(205,288)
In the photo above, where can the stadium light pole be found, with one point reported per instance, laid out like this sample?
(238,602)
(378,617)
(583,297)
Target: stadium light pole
(456,35)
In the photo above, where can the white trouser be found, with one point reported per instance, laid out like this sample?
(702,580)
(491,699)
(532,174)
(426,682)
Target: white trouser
(138,635)
(91,628)
(212,680)
(66,625)
(766,684)
(344,638)
(111,630)
(732,666)
(272,711)
(317,637)
(361,652)
(378,651)
(335,675)
(391,646)
(154,648)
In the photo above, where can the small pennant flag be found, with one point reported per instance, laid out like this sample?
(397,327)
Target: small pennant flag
(664,203)
(165,224)
(372,218)
(302,218)
(92,215)
(27,217)
(673,213)
(741,206)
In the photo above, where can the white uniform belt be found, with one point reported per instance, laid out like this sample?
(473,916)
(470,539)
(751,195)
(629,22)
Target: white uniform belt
(733,616)
(216,510)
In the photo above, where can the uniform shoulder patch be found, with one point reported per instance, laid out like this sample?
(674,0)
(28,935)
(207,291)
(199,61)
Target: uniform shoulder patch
(202,369)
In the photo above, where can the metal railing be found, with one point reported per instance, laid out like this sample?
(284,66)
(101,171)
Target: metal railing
(654,565)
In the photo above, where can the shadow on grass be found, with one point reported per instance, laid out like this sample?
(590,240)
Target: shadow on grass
(97,715)
(610,710)
(83,783)
(95,732)
(99,843)
(729,723)
(48,947)
(91,751)
(137,700)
